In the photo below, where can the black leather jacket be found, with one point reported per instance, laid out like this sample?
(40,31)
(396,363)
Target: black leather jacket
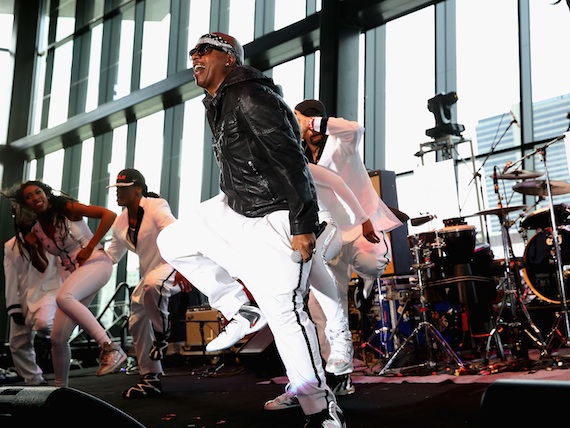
(257,147)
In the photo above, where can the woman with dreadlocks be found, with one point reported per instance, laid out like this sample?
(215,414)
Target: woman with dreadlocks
(61,230)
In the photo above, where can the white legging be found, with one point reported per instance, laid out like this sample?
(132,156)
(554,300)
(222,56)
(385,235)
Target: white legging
(73,300)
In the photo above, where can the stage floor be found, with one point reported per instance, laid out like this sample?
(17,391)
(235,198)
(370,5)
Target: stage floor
(229,394)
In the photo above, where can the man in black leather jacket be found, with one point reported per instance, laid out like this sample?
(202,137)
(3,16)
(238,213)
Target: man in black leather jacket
(261,229)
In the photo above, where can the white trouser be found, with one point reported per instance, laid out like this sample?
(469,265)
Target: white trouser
(149,311)
(368,260)
(73,300)
(21,339)
(325,304)
(258,252)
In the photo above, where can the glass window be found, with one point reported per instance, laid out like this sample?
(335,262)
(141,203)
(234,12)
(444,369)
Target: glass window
(59,96)
(198,23)
(409,84)
(148,149)
(241,20)
(53,169)
(118,161)
(85,178)
(6,65)
(92,100)
(488,89)
(125,58)
(156,34)
(289,76)
(65,20)
(550,32)
(288,12)
(191,156)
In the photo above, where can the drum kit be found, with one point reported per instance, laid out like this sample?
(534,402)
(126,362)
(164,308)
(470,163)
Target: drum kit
(450,259)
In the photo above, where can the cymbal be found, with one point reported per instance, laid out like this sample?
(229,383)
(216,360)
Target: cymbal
(538,187)
(501,210)
(521,174)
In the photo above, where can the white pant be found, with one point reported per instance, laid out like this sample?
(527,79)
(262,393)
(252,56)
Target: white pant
(22,338)
(258,252)
(328,303)
(149,311)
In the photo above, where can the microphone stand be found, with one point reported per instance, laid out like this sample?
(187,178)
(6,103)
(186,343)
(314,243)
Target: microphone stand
(478,174)
(563,314)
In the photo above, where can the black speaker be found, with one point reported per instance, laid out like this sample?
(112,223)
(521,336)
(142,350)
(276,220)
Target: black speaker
(64,407)
(511,402)
(259,354)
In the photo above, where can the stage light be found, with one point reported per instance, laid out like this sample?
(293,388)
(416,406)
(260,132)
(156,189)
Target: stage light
(440,106)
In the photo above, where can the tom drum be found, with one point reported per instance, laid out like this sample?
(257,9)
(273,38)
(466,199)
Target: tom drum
(458,243)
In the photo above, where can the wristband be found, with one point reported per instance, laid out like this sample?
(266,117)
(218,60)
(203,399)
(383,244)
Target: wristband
(312,123)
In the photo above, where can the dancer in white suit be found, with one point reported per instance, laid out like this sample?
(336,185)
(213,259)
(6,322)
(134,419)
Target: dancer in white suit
(30,299)
(145,215)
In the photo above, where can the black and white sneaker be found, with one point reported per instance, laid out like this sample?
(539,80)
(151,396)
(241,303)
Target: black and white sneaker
(248,320)
(159,346)
(340,385)
(149,386)
(331,417)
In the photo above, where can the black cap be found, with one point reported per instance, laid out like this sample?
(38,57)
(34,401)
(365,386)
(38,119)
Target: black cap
(311,108)
(129,177)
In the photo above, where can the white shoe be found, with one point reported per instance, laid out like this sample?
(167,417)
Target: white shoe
(367,288)
(340,357)
(248,320)
(287,400)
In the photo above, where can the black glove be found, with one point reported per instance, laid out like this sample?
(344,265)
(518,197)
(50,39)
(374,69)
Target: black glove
(18,318)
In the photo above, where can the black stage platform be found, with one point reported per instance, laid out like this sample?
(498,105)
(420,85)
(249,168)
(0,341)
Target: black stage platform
(197,394)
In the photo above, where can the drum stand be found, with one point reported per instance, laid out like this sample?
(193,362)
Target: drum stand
(511,285)
(381,330)
(431,335)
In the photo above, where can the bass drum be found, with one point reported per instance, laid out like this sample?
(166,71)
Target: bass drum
(540,270)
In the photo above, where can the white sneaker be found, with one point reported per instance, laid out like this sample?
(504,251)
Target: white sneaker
(248,320)
(342,351)
(111,358)
(332,417)
(287,400)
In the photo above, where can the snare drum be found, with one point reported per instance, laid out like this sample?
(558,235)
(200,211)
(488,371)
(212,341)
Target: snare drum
(458,243)
(540,271)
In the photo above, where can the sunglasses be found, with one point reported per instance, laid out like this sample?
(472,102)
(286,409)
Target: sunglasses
(204,49)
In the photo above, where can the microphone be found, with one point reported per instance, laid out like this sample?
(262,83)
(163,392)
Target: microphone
(507,166)
(515,121)
(296,255)
(495,180)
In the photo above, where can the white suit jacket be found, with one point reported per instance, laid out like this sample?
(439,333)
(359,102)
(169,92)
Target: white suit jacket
(342,155)
(157,215)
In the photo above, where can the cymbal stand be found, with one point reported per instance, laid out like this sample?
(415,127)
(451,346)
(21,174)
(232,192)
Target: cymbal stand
(563,314)
(511,284)
(432,336)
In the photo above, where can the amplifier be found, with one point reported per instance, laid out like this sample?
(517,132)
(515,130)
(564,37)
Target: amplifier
(203,324)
